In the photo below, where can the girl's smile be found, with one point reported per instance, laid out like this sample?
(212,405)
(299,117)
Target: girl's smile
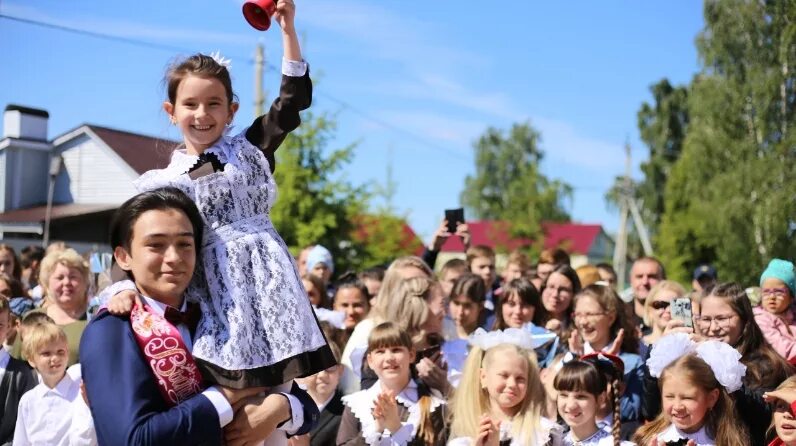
(201,111)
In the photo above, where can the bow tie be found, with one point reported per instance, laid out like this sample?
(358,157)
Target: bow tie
(177,317)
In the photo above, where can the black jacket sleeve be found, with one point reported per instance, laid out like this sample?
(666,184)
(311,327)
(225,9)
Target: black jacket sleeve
(269,131)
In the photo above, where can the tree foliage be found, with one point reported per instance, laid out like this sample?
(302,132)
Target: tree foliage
(663,126)
(508,185)
(729,198)
(318,205)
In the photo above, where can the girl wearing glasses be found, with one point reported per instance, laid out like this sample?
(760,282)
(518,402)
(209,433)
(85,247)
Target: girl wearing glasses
(603,325)
(775,316)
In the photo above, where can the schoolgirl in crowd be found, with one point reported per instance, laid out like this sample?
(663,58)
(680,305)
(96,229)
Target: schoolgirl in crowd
(557,293)
(500,398)
(397,409)
(695,385)
(465,307)
(582,391)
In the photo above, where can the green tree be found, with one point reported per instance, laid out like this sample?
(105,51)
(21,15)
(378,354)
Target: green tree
(508,185)
(318,205)
(729,198)
(663,125)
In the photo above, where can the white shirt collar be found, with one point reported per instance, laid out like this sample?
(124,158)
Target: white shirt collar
(63,387)
(159,307)
(672,433)
(4,358)
(325,403)
(606,423)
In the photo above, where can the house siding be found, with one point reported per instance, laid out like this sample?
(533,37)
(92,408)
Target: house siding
(24,186)
(93,174)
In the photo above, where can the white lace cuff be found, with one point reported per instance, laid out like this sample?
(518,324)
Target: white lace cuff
(401,437)
(294,68)
(114,289)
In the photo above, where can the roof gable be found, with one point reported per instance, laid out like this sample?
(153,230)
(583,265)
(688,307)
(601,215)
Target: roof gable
(140,152)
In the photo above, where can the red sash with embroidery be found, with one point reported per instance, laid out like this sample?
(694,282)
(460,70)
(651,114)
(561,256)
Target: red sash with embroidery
(175,370)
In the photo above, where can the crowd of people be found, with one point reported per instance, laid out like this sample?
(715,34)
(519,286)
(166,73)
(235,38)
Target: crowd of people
(462,356)
(207,330)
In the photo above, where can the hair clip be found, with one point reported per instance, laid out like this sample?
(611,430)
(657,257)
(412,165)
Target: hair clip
(221,60)
(487,339)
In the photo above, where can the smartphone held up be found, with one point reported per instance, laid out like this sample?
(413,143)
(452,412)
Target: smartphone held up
(454,217)
(681,311)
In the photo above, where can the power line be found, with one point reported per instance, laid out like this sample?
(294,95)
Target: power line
(270,67)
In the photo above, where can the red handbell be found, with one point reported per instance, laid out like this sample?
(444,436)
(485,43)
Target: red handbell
(258,13)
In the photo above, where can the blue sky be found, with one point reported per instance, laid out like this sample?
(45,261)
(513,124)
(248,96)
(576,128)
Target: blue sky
(439,73)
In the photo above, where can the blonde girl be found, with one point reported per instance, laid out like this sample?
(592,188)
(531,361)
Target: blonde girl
(397,409)
(582,389)
(695,382)
(784,419)
(500,397)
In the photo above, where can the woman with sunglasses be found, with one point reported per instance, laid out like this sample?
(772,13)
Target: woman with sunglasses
(656,309)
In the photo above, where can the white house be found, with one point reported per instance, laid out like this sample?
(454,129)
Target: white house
(96,174)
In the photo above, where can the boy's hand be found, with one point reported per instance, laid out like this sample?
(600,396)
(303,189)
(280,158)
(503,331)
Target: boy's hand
(121,303)
(234,396)
(285,15)
(256,418)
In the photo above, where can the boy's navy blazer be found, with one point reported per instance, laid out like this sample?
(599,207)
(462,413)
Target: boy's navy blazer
(124,399)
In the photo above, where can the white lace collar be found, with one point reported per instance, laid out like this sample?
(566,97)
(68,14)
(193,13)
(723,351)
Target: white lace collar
(593,439)
(182,161)
(547,430)
(672,433)
(361,405)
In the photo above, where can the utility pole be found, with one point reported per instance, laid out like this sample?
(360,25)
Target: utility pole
(628,207)
(259,64)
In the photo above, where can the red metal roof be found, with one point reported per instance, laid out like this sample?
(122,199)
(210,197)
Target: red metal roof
(575,238)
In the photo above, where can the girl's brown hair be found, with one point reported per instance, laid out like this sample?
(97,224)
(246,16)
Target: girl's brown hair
(721,422)
(541,316)
(320,286)
(584,376)
(15,285)
(386,335)
(610,302)
(765,367)
(17,271)
(524,290)
(199,65)
(470,286)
